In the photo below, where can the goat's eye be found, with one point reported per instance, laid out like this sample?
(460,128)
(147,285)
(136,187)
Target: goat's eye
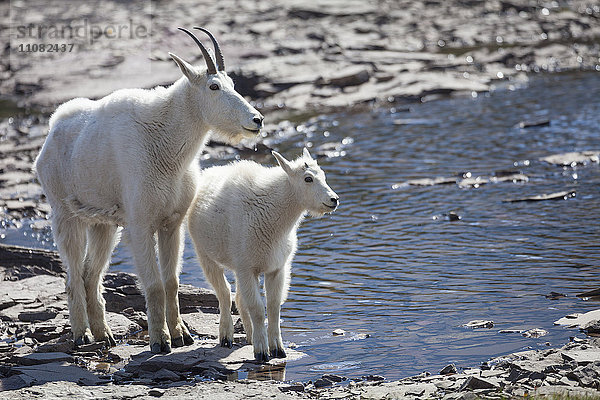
(214,86)
(308,179)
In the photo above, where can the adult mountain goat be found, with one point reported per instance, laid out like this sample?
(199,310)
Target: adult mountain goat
(245,218)
(129,159)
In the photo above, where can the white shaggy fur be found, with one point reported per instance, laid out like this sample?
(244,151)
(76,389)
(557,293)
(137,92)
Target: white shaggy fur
(245,218)
(130,159)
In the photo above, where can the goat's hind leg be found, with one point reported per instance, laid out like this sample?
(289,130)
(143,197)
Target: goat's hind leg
(170,252)
(275,288)
(244,314)
(215,275)
(102,239)
(70,237)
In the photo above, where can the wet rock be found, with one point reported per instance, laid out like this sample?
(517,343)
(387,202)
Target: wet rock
(555,295)
(479,323)
(319,383)
(473,182)
(449,370)
(534,123)
(590,293)
(451,216)
(564,195)
(573,158)
(373,378)
(296,387)
(334,378)
(350,76)
(535,333)
(514,178)
(338,332)
(440,180)
(510,331)
(156,392)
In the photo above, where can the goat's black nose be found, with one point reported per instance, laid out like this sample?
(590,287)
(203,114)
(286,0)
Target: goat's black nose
(258,120)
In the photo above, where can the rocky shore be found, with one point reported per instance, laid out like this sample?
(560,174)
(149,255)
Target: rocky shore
(38,357)
(302,55)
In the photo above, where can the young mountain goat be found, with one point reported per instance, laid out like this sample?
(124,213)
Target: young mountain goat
(245,218)
(130,159)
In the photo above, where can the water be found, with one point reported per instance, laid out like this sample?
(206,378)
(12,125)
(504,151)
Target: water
(401,283)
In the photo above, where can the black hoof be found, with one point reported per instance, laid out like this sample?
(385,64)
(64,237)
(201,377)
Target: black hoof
(155,348)
(81,340)
(110,341)
(177,342)
(278,353)
(163,347)
(187,339)
(225,342)
(261,357)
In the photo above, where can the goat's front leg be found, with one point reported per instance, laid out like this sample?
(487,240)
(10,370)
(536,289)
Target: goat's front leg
(275,288)
(144,253)
(170,252)
(247,285)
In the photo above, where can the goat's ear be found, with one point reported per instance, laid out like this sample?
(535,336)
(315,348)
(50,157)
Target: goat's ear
(185,67)
(306,154)
(283,163)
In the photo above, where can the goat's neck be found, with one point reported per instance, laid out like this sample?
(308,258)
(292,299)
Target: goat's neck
(177,130)
(287,211)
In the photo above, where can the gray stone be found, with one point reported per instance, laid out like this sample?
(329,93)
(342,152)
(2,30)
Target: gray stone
(581,357)
(592,327)
(449,370)
(474,382)
(42,358)
(535,333)
(121,326)
(57,372)
(34,316)
(350,76)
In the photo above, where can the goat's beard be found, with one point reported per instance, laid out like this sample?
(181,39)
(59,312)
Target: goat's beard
(316,214)
(233,139)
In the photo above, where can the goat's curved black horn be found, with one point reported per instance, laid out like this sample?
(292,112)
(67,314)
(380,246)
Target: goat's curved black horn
(219,54)
(210,64)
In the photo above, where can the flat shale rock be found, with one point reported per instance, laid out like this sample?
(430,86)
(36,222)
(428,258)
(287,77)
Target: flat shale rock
(573,158)
(56,371)
(564,195)
(43,358)
(579,320)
